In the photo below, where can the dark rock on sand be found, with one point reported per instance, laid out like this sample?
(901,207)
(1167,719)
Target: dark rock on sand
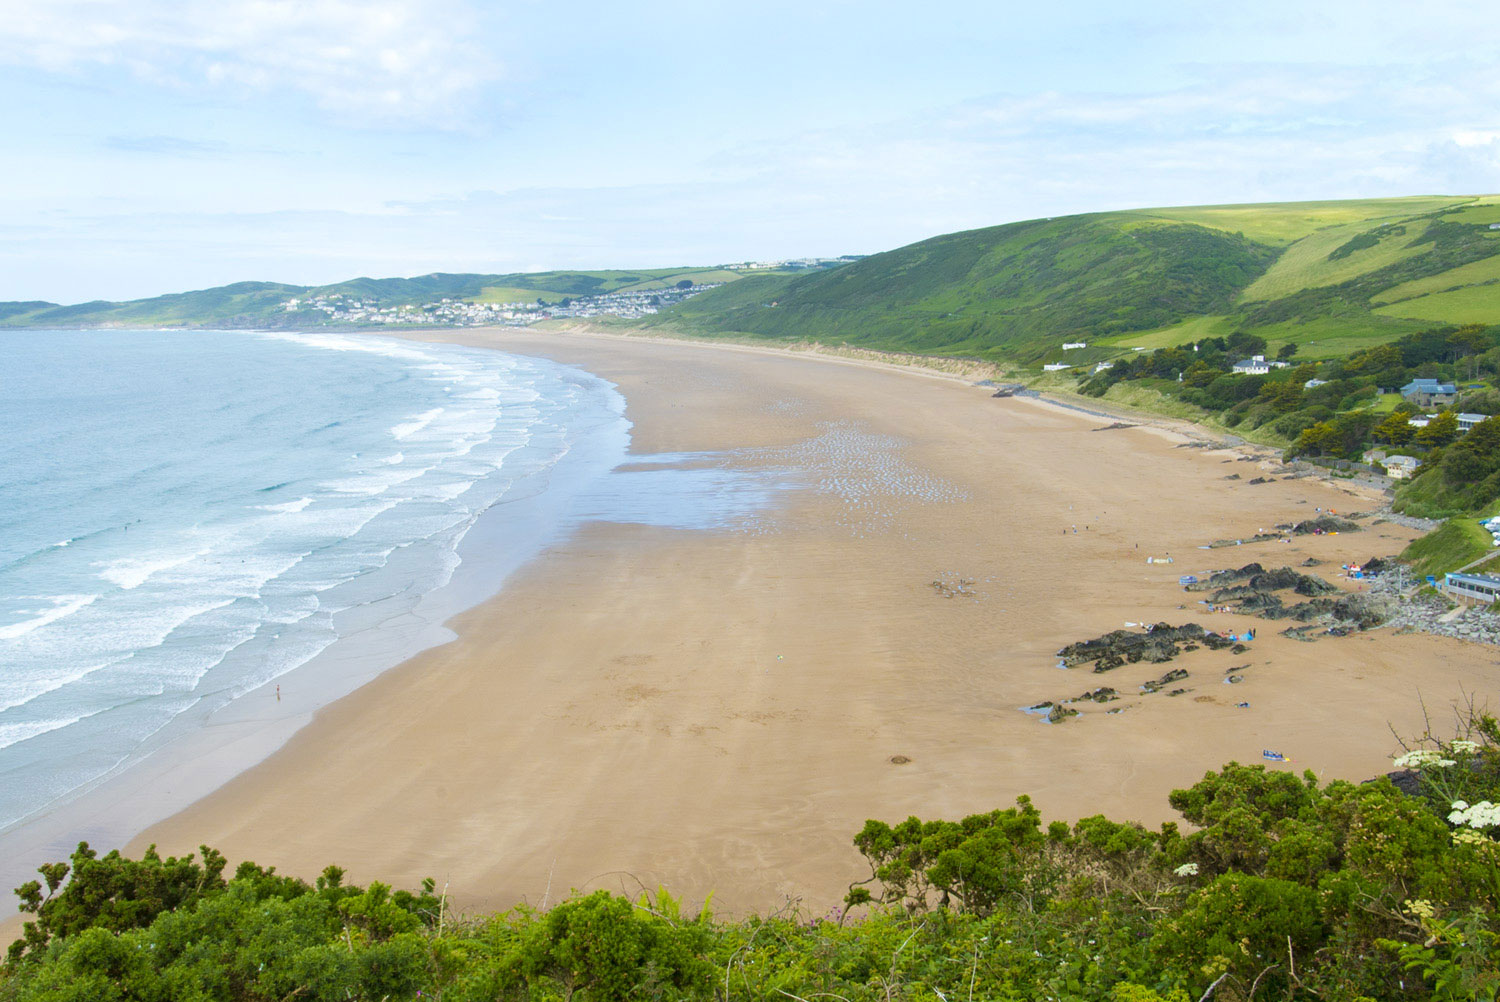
(1324,523)
(1160,643)
(1175,675)
(1253,579)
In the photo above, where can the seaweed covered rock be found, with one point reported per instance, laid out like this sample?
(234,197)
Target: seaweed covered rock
(1322,524)
(1156,644)
(1253,579)
(1120,647)
(1156,685)
(1103,694)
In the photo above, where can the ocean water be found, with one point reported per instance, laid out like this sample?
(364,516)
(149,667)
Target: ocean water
(186,516)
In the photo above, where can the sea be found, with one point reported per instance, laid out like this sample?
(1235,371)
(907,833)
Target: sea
(188,517)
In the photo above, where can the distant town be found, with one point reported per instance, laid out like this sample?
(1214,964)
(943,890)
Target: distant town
(630,303)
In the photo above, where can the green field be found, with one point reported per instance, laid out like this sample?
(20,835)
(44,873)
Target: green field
(1281,223)
(1307,273)
(1479,272)
(1306,263)
(1476,304)
(1193,329)
(511,294)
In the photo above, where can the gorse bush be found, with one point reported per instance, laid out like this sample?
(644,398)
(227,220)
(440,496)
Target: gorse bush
(1284,888)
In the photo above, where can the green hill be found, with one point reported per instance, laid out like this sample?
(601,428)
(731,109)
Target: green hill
(1330,276)
(263,303)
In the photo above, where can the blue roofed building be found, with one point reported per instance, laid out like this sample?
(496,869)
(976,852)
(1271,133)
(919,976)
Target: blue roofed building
(1429,392)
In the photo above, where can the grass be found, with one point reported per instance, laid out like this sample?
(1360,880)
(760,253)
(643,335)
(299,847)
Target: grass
(1018,290)
(1282,223)
(1476,304)
(1457,542)
(1334,336)
(1306,263)
(1186,332)
(1474,273)
(511,294)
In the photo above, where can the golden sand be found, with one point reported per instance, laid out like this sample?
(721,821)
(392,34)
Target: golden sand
(721,711)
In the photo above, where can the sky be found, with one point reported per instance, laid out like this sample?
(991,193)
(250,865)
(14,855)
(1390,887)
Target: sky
(158,146)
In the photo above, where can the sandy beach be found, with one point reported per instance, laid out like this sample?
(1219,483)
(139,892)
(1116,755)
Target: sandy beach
(719,711)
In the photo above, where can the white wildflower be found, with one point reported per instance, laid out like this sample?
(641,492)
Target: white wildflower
(1187,870)
(1417,759)
(1481,815)
(1445,763)
(1463,747)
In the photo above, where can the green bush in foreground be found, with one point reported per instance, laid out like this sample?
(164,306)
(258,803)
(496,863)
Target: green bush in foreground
(1283,889)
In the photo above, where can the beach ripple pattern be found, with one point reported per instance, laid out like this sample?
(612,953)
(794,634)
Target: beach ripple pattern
(866,473)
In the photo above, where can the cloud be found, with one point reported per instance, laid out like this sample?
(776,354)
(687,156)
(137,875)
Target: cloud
(1236,133)
(374,60)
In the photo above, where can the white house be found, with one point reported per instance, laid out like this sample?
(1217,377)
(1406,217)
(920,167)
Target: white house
(1069,346)
(1056,366)
(1313,384)
(1400,467)
(1255,366)
(1104,366)
(1466,422)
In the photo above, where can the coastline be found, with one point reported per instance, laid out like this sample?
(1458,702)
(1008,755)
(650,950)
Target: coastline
(206,747)
(720,710)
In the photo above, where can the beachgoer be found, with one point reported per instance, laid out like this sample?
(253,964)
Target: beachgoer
(278,693)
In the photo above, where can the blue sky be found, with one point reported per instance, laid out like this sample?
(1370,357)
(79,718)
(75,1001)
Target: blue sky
(159,146)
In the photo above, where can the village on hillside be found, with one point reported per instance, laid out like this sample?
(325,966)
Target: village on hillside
(339,308)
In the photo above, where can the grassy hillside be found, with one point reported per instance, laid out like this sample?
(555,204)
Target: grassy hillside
(1329,276)
(1020,288)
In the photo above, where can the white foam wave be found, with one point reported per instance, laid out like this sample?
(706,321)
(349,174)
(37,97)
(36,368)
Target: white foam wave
(11,734)
(290,507)
(63,605)
(407,429)
(132,572)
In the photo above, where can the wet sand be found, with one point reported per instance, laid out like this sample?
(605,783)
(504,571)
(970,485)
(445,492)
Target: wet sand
(718,711)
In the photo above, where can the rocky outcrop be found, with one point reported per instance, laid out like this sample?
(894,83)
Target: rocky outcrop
(1157,644)
(1239,585)
(1324,523)
(1158,684)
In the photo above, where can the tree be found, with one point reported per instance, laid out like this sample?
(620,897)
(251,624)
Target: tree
(1286,351)
(1200,374)
(686,283)
(1246,344)
(1439,431)
(1283,395)
(1394,430)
